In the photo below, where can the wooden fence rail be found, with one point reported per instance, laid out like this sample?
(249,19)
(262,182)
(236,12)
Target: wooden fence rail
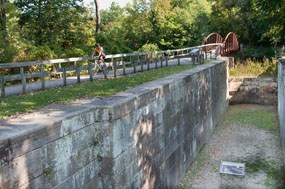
(63,66)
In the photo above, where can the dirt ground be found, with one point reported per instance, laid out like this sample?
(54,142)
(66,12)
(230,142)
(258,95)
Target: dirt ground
(247,134)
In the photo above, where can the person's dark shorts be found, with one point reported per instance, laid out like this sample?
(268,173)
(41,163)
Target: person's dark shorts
(101,56)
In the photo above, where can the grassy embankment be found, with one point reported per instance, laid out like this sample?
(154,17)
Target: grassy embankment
(255,68)
(12,105)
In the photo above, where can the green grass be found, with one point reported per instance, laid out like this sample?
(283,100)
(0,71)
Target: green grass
(255,68)
(274,173)
(12,105)
(264,119)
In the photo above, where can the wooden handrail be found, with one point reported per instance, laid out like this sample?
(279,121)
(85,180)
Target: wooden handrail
(135,59)
(79,59)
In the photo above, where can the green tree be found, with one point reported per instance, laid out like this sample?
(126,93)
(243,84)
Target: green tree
(194,19)
(179,23)
(3,8)
(256,22)
(162,23)
(273,13)
(113,34)
(112,18)
(226,17)
(9,32)
(50,22)
(137,26)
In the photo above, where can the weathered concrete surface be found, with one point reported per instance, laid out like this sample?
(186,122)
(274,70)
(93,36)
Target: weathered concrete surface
(258,90)
(281,101)
(144,137)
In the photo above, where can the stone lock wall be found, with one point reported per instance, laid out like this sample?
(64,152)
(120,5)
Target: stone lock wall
(253,91)
(281,101)
(144,137)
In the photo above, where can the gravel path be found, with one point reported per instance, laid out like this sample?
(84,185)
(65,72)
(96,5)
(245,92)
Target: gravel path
(240,141)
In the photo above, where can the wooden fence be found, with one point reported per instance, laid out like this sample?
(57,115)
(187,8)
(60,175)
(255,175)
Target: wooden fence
(78,65)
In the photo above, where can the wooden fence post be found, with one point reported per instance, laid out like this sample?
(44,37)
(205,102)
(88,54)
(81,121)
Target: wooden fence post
(77,72)
(2,86)
(105,71)
(142,62)
(64,76)
(114,67)
(24,82)
(131,61)
(203,60)
(148,61)
(90,71)
(156,57)
(178,58)
(42,76)
(166,59)
(135,67)
(124,65)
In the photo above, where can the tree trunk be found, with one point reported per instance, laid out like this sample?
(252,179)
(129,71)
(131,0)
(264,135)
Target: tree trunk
(3,18)
(98,18)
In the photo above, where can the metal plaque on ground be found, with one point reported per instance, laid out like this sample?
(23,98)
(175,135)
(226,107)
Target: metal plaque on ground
(232,168)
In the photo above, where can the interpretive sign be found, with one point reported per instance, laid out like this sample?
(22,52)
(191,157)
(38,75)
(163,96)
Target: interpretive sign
(232,168)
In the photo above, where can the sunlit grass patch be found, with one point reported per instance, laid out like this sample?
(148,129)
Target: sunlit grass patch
(264,119)
(275,174)
(255,68)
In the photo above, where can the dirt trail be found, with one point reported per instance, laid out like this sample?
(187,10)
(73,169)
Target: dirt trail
(247,134)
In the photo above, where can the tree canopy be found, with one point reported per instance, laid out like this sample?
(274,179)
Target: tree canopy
(42,29)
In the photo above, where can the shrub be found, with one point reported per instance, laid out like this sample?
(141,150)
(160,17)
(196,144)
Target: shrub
(38,53)
(255,68)
(7,52)
(73,52)
(149,47)
(7,49)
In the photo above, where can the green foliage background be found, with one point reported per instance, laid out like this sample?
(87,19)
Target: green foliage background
(33,29)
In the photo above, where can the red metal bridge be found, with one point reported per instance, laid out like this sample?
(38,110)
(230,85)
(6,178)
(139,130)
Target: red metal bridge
(225,46)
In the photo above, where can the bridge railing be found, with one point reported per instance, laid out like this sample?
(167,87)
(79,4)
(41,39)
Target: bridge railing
(230,43)
(41,70)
